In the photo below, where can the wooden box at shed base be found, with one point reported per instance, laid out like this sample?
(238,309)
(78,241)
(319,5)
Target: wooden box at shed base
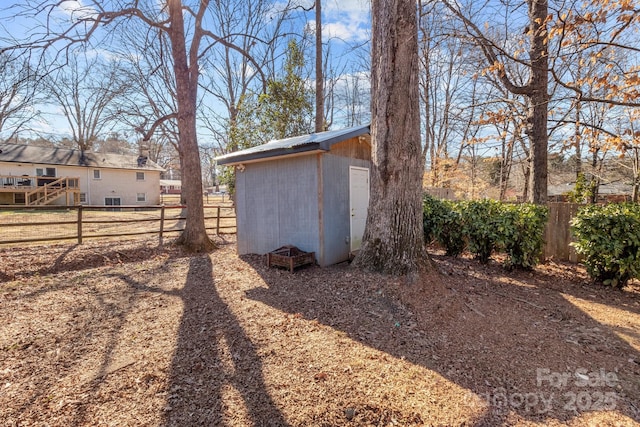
(290,257)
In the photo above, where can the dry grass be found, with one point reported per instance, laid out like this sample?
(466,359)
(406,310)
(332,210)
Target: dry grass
(134,334)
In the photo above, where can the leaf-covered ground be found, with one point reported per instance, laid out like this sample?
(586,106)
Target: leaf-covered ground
(133,334)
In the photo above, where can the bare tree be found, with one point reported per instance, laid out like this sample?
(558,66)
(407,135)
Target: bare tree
(595,68)
(183,23)
(448,91)
(319,123)
(500,55)
(352,93)
(18,95)
(233,79)
(393,240)
(86,88)
(152,100)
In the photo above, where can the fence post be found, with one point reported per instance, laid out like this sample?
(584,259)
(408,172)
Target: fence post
(218,221)
(79,224)
(161,223)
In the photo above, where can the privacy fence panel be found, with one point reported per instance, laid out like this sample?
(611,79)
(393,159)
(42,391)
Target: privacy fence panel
(558,232)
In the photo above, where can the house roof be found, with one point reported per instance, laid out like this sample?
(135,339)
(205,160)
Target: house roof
(321,141)
(174,182)
(605,188)
(15,153)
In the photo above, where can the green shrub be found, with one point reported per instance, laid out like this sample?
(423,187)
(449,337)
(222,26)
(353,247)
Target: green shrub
(609,239)
(582,192)
(432,210)
(442,221)
(521,234)
(486,226)
(481,218)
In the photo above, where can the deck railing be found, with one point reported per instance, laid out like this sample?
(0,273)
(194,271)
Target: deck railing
(25,182)
(19,182)
(39,190)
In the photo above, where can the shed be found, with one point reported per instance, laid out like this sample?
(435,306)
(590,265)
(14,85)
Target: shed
(310,191)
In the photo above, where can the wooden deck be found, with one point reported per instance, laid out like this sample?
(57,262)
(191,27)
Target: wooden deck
(38,190)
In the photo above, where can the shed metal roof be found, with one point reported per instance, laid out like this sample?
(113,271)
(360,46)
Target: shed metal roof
(321,141)
(15,153)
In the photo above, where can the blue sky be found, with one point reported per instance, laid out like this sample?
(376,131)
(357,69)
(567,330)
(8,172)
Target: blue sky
(347,20)
(345,23)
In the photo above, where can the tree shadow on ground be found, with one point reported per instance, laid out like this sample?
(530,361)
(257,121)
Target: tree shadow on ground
(502,342)
(112,310)
(214,360)
(40,261)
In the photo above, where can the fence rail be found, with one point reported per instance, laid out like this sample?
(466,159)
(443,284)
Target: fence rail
(33,224)
(37,224)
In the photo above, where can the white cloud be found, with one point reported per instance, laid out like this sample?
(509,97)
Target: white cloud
(343,31)
(75,9)
(348,6)
(347,20)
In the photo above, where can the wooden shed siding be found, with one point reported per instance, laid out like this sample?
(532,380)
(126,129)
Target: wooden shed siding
(336,219)
(277,205)
(352,148)
(257,208)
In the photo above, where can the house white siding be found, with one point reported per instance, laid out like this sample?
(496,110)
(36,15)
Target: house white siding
(123,184)
(118,183)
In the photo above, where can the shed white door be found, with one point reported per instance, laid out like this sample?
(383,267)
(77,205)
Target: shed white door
(358,204)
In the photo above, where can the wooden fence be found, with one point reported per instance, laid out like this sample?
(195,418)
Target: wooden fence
(558,232)
(46,224)
(36,224)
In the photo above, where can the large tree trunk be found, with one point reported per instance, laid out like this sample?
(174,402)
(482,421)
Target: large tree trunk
(393,240)
(319,74)
(636,175)
(194,237)
(539,96)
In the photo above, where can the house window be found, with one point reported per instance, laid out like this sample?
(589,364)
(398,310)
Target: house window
(139,176)
(112,201)
(141,197)
(83,197)
(96,174)
(45,171)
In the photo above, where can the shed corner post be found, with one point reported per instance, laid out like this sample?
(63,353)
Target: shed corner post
(320,177)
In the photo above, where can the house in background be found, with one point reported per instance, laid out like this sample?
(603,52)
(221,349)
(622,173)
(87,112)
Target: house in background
(32,175)
(608,192)
(310,191)
(170,186)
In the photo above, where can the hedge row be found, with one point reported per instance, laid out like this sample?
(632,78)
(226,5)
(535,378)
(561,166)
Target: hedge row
(608,236)
(486,226)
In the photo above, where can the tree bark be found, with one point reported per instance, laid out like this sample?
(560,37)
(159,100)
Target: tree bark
(194,237)
(319,74)
(393,240)
(636,175)
(539,96)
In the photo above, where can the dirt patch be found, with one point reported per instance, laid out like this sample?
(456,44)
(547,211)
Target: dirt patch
(136,334)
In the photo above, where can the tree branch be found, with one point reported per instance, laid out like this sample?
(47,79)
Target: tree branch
(487,48)
(246,54)
(146,136)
